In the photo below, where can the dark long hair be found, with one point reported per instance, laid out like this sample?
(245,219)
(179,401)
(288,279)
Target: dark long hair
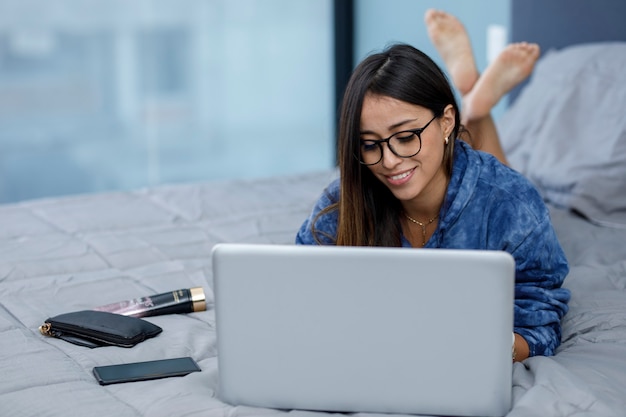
(368,212)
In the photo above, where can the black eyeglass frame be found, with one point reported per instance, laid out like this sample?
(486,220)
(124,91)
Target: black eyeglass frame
(379,142)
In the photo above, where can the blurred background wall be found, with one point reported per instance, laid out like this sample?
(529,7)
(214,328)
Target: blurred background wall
(99,95)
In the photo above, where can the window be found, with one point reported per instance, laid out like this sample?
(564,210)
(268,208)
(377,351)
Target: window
(117,95)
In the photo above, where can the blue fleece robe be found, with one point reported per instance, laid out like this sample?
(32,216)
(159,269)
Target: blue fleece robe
(490,206)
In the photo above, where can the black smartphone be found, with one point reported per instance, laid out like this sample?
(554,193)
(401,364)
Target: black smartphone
(143,371)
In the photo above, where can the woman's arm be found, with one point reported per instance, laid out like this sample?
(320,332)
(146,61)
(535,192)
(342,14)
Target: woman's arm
(325,225)
(540,301)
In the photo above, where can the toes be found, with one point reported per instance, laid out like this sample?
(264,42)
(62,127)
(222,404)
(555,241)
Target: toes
(434,16)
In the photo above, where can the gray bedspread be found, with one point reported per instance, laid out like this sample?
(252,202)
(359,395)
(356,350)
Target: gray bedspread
(65,254)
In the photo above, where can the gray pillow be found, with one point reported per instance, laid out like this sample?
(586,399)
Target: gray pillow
(567,130)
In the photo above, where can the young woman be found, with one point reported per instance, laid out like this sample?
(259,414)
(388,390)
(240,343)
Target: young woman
(406,179)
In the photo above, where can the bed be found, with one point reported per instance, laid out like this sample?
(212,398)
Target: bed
(566,132)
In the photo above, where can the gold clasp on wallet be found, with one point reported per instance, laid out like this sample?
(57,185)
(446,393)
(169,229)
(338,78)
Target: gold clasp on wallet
(45,329)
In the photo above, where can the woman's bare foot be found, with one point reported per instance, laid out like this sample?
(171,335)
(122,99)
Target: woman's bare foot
(450,38)
(514,64)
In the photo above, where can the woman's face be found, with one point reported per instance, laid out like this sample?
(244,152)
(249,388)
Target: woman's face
(417,177)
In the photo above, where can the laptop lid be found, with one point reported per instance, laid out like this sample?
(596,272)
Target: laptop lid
(362,329)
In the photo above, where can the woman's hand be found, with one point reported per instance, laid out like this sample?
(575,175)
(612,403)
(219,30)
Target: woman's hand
(520,348)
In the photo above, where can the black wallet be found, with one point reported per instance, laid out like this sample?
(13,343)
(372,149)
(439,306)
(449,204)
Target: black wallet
(99,328)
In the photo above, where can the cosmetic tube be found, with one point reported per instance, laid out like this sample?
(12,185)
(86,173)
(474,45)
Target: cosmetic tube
(186,300)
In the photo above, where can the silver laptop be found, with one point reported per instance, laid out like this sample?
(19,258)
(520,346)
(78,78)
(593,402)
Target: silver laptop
(347,329)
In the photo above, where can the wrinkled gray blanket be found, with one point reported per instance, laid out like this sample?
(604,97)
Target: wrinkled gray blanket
(64,254)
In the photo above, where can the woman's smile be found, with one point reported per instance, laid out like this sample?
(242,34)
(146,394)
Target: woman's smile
(400,178)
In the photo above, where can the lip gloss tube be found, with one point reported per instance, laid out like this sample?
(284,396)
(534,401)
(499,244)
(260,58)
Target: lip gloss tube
(187,300)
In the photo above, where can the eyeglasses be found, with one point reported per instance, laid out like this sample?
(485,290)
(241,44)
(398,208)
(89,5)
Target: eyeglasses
(404,144)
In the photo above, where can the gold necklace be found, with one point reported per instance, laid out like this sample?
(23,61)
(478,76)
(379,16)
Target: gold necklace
(422,225)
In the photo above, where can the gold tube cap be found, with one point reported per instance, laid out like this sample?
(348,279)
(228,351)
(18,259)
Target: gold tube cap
(198,299)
